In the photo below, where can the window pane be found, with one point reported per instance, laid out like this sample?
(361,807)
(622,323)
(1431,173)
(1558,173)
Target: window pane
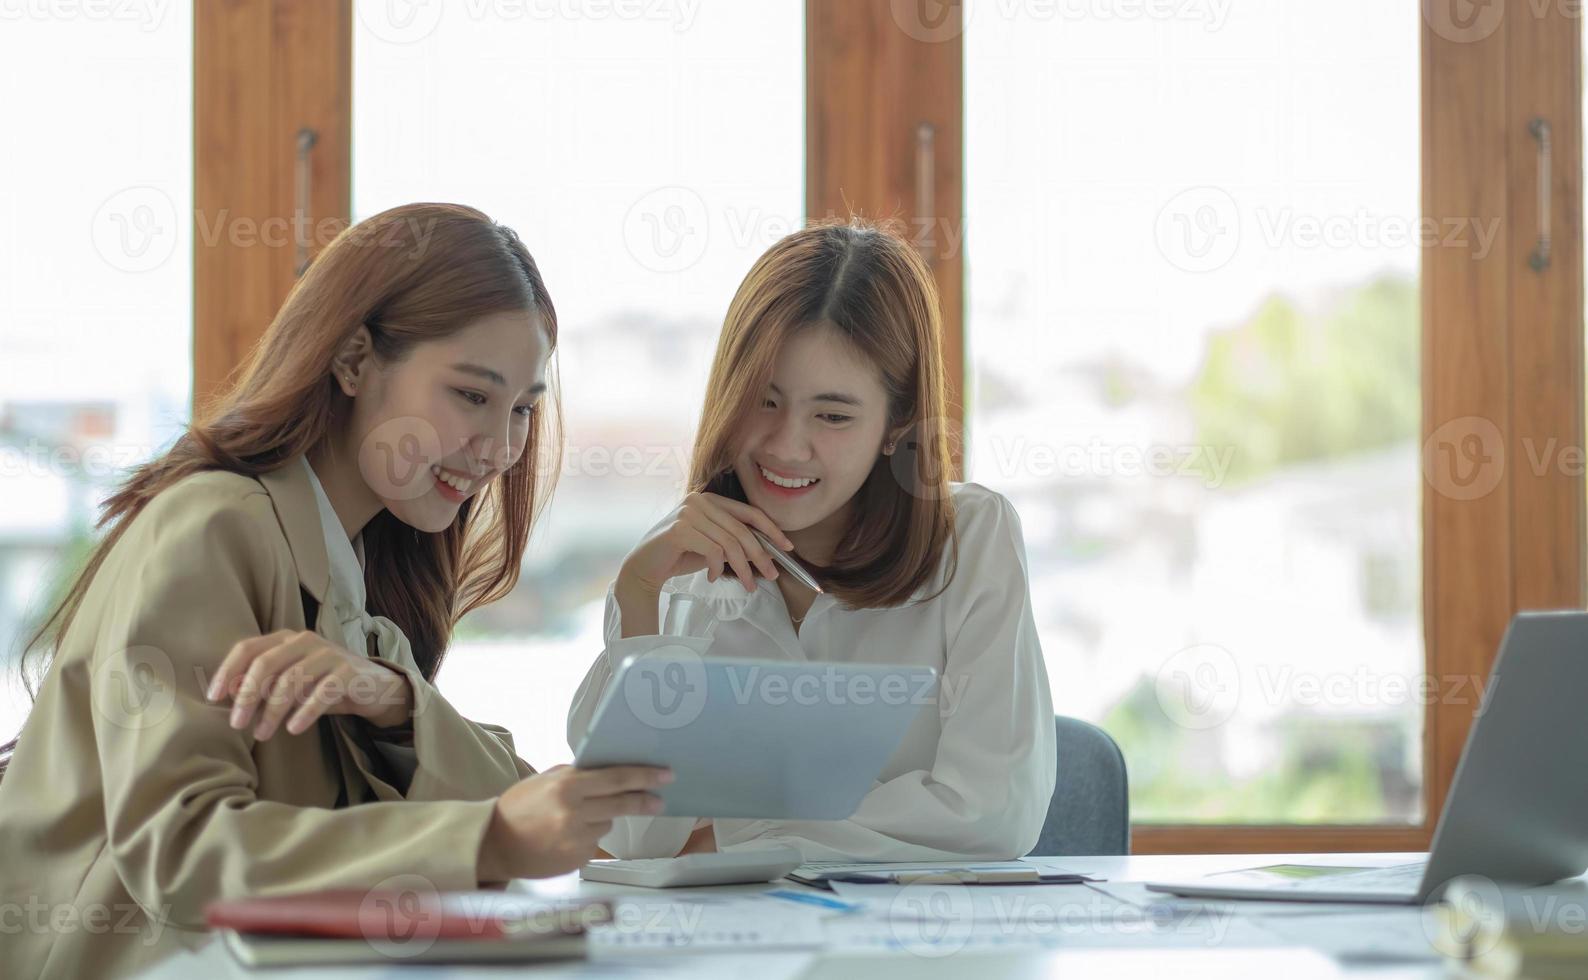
(95,280)
(646,160)
(1198,226)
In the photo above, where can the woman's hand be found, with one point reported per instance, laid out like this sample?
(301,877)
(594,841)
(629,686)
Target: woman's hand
(302,672)
(549,824)
(706,531)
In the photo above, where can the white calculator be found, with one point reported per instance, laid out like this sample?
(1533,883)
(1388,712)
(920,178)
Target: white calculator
(715,868)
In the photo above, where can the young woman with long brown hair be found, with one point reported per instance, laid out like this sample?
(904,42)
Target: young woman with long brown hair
(823,428)
(241,696)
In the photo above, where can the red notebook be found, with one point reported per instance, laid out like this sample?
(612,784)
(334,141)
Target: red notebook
(417,925)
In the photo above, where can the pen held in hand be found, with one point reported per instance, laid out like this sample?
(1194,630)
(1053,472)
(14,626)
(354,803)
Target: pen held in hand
(793,567)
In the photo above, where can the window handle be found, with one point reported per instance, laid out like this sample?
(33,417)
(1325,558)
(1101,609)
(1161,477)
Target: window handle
(300,217)
(925,186)
(1539,127)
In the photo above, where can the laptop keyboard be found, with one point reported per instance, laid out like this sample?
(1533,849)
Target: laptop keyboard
(1397,879)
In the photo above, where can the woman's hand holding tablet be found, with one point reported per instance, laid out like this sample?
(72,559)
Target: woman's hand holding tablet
(549,824)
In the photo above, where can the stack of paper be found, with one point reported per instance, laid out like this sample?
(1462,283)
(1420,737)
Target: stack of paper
(703,921)
(1515,932)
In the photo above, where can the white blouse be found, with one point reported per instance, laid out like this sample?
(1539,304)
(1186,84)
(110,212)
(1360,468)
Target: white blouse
(347,603)
(971,781)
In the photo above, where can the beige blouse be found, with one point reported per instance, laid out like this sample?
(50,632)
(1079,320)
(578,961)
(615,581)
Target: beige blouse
(131,802)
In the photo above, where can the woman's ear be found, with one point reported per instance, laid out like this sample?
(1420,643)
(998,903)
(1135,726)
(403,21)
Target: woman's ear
(348,365)
(890,442)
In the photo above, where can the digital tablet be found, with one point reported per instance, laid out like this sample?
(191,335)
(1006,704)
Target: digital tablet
(756,739)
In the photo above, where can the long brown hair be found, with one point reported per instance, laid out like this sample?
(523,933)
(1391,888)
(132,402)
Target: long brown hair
(871,286)
(411,274)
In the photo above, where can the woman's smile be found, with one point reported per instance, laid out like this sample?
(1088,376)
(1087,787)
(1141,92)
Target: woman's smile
(783,485)
(452,486)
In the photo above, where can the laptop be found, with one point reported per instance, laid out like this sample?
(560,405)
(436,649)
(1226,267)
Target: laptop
(757,739)
(1517,812)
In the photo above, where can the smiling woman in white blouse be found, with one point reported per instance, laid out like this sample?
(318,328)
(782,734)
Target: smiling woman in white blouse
(822,429)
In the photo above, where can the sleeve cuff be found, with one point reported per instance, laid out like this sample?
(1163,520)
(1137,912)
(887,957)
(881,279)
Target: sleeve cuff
(742,833)
(453,758)
(647,837)
(618,651)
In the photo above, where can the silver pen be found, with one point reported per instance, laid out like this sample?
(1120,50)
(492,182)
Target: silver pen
(794,568)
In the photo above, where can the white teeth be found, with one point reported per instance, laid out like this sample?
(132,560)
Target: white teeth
(460,485)
(787,483)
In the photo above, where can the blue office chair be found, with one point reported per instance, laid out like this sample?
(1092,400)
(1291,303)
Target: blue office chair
(1090,809)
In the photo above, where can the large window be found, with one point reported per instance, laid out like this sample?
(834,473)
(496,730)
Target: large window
(1246,289)
(1200,231)
(95,280)
(646,155)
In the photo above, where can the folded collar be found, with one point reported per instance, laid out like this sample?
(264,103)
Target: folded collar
(298,512)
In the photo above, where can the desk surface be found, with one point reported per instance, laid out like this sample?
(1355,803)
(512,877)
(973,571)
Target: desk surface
(1401,927)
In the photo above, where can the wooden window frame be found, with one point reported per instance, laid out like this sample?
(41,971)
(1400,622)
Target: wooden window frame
(264,71)
(1502,344)
(870,89)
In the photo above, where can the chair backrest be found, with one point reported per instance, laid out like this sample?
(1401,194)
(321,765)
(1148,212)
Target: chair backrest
(1090,809)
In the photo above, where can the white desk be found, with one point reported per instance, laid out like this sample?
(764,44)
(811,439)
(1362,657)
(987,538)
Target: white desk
(213,963)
